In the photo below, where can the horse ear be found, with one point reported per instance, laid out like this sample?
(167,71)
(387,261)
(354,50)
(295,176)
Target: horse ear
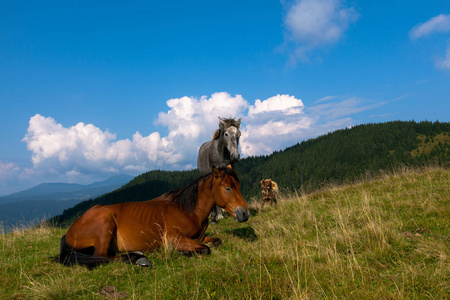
(221,123)
(238,122)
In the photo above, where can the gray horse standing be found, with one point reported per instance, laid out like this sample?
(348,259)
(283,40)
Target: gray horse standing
(220,152)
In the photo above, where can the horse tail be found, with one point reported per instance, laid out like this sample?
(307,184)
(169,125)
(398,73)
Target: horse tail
(69,256)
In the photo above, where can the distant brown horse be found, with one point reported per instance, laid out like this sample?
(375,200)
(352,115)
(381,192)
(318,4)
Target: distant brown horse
(269,191)
(179,218)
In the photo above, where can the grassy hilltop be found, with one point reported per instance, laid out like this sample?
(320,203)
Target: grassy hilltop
(386,238)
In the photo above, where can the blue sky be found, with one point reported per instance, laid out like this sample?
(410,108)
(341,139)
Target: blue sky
(89,90)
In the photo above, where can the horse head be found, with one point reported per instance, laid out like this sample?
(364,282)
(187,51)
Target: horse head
(266,184)
(231,135)
(227,193)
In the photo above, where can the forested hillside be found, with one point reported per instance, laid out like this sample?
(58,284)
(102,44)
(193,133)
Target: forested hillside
(349,153)
(340,156)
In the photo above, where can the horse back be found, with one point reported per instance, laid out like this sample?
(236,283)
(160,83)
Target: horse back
(203,164)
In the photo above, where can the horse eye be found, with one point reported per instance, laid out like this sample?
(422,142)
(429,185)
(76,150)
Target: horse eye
(228,189)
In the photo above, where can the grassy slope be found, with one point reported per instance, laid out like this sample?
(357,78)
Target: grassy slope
(388,238)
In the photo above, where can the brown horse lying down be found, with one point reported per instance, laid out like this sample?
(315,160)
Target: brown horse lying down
(179,218)
(269,192)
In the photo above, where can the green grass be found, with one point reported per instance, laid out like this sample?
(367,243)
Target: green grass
(388,238)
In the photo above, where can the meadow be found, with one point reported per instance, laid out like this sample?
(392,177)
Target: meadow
(380,238)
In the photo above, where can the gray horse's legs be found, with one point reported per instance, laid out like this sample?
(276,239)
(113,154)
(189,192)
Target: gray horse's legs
(219,213)
(216,214)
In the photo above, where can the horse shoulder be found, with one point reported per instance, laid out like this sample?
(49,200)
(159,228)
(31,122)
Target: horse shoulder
(184,227)
(204,147)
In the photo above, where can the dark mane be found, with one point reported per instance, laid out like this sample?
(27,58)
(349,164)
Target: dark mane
(187,197)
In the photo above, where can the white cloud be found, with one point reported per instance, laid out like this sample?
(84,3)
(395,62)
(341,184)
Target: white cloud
(8,170)
(440,23)
(263,139)
(311,24)
(273,124)
(444,63)
(342,108)
(83,150)
(283,103)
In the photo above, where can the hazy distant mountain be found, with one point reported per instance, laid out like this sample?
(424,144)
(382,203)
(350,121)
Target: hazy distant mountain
(67,191)
(49,199)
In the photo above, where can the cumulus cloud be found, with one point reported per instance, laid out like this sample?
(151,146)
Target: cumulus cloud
(85,148)
(273,124)
(440,23)
(312,24)
(267,125)
(282,103)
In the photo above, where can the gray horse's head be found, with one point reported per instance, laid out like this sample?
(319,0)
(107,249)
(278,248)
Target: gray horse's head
(231,135)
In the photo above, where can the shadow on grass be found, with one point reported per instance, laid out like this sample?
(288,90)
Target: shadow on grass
(246,233)
(254,212)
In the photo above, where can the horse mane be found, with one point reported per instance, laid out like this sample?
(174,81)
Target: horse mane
(187,197)
(227,124)
(215,135)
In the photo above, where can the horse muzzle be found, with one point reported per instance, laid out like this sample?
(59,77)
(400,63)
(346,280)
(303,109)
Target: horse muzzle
(234,157)
(242,214)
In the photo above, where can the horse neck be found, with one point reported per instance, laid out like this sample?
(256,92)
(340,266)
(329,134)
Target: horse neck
(205,199)
(221,146)
(220,142)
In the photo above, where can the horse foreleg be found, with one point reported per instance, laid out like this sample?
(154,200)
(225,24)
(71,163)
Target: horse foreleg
(219,213)
(189,246)
(212,241)
(216,214)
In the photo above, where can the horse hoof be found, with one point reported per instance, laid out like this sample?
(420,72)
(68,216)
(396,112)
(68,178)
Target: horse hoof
(143,262)
(217,242)
(213,222)
(205,251)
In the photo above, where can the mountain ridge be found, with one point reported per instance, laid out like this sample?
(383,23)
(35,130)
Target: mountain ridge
(64,191)
(49,199)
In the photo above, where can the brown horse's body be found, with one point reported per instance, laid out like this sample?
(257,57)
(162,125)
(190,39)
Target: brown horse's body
(174,218)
